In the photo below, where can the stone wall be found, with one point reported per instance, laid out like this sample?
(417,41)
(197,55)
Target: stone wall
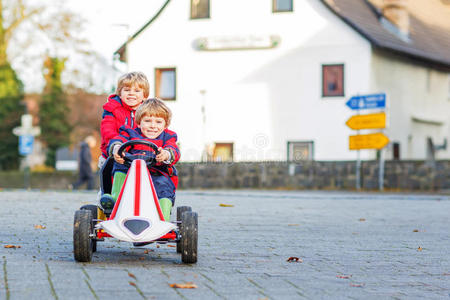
(333,175)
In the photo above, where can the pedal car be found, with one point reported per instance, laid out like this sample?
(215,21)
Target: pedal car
(136,216)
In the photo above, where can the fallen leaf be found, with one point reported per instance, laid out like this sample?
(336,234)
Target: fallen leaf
(344,276)
(361,219)
(226,205)
(132,275)
(187,285)
(132,283)
(39,227)
(416,230)
(157,246)
(146,251)
(12,246)
(357,284)
(141,258)
(294,259)
(419,249)
(172,246)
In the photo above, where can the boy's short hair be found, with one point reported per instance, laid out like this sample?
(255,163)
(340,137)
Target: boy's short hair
(154,107)
(131,78)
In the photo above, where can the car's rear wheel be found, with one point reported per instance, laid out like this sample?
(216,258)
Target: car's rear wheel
(189,237)
(180,211)
(82,230)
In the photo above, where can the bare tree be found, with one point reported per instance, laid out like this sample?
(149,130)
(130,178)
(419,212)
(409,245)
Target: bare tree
(30,32)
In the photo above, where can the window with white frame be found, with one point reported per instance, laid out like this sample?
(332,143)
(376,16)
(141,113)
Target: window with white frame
(282,5)
(199,9)
(300,150)
(165,83)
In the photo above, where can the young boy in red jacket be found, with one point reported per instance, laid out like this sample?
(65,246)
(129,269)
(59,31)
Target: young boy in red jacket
(153,117)
(132,89)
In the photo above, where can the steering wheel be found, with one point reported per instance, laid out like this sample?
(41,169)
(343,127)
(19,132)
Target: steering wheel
(148,156)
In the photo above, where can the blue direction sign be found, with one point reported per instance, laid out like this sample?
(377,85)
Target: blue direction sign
(367,101)
(26,144)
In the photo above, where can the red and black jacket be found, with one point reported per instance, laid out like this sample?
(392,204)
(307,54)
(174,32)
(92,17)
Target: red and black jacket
(167,140)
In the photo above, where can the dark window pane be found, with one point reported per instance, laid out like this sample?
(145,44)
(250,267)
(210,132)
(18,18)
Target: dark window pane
(396,151)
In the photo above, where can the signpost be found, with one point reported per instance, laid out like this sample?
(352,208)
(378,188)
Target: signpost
(26,144)
(26,133)
(367,101)
(368,121)
(368,141)
(371,121)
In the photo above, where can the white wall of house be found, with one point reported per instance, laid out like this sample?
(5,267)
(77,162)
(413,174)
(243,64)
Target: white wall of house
(257,99)
(418,105)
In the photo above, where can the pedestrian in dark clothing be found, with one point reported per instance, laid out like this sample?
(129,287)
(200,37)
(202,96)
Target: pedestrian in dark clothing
(84,164)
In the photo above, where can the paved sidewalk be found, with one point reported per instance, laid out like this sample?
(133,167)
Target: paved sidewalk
(352,246)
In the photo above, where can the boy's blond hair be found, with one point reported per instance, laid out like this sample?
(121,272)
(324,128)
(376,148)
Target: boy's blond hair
(132,78)
(154,107)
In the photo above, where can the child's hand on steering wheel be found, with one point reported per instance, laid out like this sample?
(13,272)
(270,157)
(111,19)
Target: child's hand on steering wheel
(117,157)
(163,155)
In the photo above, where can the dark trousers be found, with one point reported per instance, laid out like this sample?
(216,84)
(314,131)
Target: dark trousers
(82,179)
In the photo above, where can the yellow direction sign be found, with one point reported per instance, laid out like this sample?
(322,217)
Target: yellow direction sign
(370,121)
(368,141)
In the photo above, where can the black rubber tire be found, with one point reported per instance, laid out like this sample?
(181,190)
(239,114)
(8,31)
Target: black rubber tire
(180,210)
(82,228)
(94,211)
(189,237)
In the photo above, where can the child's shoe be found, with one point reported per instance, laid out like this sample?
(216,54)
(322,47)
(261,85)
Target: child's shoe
(107,203)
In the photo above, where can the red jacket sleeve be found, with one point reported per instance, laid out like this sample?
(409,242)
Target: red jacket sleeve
(108,127)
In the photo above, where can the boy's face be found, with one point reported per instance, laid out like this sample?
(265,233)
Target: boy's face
(152,126)
(132,95)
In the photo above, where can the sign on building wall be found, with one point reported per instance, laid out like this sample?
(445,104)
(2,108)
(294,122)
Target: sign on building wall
(220,43)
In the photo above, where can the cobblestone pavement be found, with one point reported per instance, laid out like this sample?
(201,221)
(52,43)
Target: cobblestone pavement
(349,245)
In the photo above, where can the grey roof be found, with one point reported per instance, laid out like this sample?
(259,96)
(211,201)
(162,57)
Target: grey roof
(425,43)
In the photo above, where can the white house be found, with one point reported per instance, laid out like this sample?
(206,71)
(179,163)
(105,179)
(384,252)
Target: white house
(269,79)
